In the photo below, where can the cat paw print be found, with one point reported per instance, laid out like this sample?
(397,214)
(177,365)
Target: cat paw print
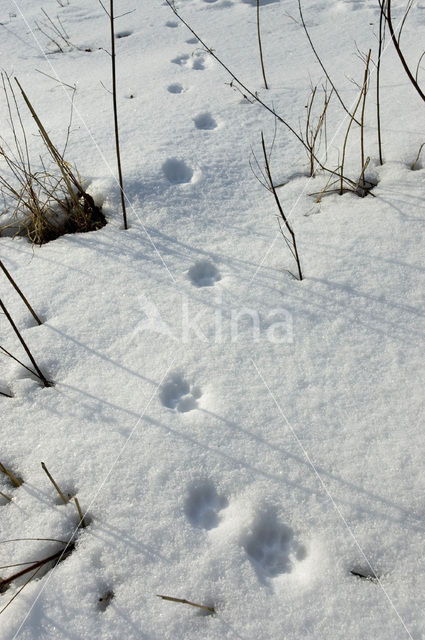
(272,548)
(203,505)
(177,394)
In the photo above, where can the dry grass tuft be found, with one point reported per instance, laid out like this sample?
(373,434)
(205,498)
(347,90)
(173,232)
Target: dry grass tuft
(40,203)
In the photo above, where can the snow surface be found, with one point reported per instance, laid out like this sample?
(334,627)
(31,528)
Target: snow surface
(238,438)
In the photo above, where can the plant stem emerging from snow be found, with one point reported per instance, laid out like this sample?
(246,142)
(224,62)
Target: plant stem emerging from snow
(52,480)
(13,283)
(40,375)
(279,206)
(400,53)
(114,97)
(378,78)
(13,479)
(260,45)
(54,556)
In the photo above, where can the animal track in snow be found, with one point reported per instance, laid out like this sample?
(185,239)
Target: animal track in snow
(177,171)
(203,274)
(205,121)
(198,61)
(171,24)
(195,61)
(271,547)
(176,393)
(181,60)
(175,88)
(203,505)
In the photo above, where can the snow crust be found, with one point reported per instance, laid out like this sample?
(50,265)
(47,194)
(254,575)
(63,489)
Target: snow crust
(238,438)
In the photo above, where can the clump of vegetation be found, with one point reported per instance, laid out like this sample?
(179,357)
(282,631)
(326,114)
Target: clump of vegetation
(41,201)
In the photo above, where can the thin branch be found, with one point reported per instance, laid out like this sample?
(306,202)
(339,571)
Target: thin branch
(260,46)
(282,214)
(18,361)
(321,63)
(400,54)
(17,482)
(54,483)
(42,377)
(183,601)
(417,157)
(114,97)
(13,283)
(36,565)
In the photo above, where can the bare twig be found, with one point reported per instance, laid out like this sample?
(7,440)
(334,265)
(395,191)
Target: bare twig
(54,556)
(281,212)
(417,157)
(13,479)
(40,375)
(260,46)
(183,601)
(364,89)
(418,65)
(400,53)
(319,60)
(18,361)
(52,480)
(82,522)
(313,132)
(13,283)
(378,78)
(114,97)
(15,595)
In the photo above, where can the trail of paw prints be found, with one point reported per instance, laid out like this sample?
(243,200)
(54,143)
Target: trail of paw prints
(178,394)
(204,504)
(272,548)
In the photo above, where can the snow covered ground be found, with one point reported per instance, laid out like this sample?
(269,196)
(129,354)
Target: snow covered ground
(238,438)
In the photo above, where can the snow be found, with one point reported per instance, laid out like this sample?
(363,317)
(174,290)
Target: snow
(238,438)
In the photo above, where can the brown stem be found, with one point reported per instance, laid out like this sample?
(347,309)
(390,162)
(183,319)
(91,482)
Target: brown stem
(260,45)
(13,283)
(36,565)
(13,479)
(52,480)
(42,377)
(282,214)
(114,98)
(400,54)
(183,601)
(378,80)
(365,81)
(320,61)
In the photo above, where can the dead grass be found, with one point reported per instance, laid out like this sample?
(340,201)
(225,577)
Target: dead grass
(43,197)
